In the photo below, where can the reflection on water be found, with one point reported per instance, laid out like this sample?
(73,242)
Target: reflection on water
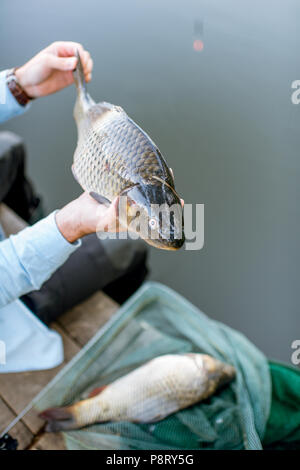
(221,113)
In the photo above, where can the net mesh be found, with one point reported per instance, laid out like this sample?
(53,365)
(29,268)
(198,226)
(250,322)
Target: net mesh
(158,321)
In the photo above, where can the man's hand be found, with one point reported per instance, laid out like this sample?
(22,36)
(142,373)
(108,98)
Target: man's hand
(51,69)
(84,216)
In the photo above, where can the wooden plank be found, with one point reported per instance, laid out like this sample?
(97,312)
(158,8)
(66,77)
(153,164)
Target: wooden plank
(49,441)
(84,320)
(19,431)
(19,389)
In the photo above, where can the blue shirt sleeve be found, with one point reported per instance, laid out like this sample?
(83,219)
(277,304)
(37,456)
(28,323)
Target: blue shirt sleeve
(29,258)
(9,107)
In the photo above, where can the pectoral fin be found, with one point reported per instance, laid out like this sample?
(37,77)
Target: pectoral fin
(101,199)
(171,171)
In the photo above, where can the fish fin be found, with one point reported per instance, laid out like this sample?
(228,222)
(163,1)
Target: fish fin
(96,391)
(172,174)
(101,199)
(58,419)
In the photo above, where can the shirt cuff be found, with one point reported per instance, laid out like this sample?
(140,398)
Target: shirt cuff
(42,249)
(9,106)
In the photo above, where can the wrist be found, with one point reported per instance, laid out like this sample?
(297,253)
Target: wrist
(69,224)
(16,89)
(20,74)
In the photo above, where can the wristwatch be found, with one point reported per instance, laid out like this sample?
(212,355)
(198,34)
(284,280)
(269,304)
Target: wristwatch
(16,89)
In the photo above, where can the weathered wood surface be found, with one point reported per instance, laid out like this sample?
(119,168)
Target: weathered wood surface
(48,441)
(85,319)
(19,389)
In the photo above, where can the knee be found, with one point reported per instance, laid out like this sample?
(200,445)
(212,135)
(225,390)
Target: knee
(12,161)
(9,143)
(125,254)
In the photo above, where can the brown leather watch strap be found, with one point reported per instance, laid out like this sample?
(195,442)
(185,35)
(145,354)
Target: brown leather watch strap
(15,88)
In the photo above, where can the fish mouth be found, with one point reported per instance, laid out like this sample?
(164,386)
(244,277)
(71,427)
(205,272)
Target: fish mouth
(168,245)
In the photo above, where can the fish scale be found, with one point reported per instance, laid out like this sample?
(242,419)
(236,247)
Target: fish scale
(130,155)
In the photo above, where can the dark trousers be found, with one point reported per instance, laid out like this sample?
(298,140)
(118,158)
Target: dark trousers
(15,189)
(116,266)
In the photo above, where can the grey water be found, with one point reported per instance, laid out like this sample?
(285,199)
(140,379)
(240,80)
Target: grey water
(210,81)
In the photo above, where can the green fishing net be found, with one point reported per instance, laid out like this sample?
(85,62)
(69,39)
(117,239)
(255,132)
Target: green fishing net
(283,426)
(157,321)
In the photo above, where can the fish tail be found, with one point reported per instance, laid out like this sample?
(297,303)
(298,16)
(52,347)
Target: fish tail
(59,419)
(79,80)
(79,75)
(76,416)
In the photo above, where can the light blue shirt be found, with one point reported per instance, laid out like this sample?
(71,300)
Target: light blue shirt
(27,260)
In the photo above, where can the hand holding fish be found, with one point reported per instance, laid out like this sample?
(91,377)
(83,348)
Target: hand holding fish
(84,215)
(51,69)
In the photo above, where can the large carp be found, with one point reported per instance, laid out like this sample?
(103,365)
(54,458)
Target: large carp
(148,394)
(115,157)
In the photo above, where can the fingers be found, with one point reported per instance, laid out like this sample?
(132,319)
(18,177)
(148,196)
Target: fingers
(65,48)
(68,49)
(87,63)
(59,63)
(109,221)
(113,216)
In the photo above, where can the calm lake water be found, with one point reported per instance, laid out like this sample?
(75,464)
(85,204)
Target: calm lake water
(210,81)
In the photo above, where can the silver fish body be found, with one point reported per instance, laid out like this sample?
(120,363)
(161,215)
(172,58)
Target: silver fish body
(115,157)
(148,394)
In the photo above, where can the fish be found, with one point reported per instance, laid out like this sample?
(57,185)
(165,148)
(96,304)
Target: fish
(150,393)
(114,157)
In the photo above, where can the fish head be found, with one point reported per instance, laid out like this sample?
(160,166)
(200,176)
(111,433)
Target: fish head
(153,211)
(221,372)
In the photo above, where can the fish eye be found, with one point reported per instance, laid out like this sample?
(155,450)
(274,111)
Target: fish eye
(153,223)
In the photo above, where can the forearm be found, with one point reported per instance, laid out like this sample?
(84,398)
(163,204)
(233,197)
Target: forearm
(29,258)
(68,221)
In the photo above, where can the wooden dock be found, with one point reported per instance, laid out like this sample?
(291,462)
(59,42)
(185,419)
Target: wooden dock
(76,327)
